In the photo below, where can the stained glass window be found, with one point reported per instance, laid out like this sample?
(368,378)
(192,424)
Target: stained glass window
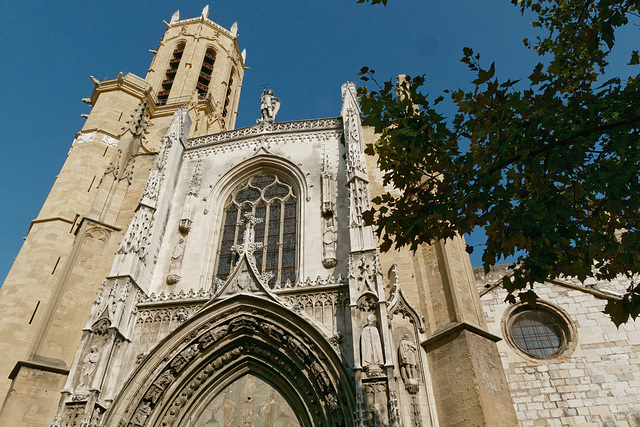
(269,197)
(538,333)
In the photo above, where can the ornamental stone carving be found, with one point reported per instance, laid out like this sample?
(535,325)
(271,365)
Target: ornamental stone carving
(141,415)
(213,336)
(329,242)
(151,190)
(375,398)
(159,386)
(358,202)
(81,138)
(109,141)
(121,166)
(137,236)
(248,245)
(244,133)
(355,161)
(321,377)
(195,384)
(329,222)
(364,272)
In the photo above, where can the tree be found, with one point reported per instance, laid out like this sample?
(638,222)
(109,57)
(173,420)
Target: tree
(550,167)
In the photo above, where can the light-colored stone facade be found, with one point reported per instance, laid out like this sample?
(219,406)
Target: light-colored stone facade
(595,381)
(183,272)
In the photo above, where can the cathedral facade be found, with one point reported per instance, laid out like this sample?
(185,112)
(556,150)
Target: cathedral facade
(186,273)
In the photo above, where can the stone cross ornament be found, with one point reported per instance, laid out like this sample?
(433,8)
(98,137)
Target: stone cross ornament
(248,244)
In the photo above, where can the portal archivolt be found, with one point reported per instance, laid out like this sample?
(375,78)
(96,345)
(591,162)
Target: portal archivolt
(240,338)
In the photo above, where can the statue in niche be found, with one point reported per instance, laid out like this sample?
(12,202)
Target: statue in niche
(408,358)
(176,262)
(329,236)
(89,364)
(371,348)
(269,106)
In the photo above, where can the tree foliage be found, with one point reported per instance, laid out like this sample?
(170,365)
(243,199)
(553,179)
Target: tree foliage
(548,166)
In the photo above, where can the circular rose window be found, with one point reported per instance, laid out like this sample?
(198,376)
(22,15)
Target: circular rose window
(538,332)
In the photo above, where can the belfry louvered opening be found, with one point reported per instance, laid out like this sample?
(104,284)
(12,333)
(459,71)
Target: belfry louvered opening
(204,78)
(170,74)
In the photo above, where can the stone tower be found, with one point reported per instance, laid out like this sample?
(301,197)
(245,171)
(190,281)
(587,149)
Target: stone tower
(47,296)
(185,273)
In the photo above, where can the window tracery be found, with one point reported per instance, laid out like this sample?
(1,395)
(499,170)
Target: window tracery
(268,197)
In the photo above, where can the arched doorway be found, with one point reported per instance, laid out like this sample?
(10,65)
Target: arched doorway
(243,346)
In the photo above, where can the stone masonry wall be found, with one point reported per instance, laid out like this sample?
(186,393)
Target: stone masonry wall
(596,382)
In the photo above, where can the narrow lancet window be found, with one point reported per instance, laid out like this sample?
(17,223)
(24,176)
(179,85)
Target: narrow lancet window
(270,198)
(205,73)
(227,99)
(170,74)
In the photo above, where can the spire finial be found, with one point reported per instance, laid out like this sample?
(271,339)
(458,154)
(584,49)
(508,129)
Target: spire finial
(175,17)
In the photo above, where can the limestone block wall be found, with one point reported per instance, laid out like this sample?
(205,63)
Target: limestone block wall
(595,382)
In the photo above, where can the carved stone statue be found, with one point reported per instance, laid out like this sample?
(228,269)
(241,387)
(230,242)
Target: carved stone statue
(176,262)
(141,415)
(89,364)
(371,348)
(178,251)
(269,106)
(329,236)
(408,358)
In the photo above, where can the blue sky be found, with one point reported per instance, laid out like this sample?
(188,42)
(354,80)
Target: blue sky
(304,50)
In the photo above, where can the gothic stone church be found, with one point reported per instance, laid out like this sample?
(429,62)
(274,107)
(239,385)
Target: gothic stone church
(183,273)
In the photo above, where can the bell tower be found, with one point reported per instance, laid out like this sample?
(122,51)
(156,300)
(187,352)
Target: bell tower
(70,247)
(199,62)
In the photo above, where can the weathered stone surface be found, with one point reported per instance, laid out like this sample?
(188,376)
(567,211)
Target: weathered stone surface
(596,381)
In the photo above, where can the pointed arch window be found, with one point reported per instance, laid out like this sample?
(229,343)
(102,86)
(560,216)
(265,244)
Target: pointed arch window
(204,78)
(227,99)
(170,74)
(269,197)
